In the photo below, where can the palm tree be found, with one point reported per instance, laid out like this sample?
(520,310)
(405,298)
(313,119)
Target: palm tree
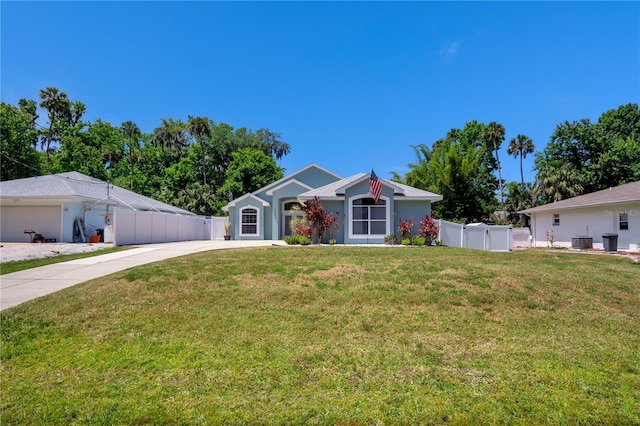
(558,182)
(58,106)
(199,127)
(494,135)
(170,135)
(520,146)
(132,131)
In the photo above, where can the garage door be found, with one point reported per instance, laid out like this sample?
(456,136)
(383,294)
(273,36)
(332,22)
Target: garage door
(45,220)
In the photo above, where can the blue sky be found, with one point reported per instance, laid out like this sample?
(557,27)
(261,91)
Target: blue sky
(349,85)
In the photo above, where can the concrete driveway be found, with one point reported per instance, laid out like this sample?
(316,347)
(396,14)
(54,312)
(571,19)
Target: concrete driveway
(19,287)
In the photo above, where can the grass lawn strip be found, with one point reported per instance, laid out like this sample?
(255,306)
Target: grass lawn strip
(21,265)
(332,335)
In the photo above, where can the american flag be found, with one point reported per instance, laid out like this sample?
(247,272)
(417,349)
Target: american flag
(375,186)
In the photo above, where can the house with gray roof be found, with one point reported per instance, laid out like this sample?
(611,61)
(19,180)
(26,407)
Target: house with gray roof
(267,212)
(612,211)
(50,205)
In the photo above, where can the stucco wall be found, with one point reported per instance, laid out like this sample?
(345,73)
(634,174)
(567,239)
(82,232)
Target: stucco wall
(591,221)
(415,210)
(71,210)
(334,207)
(264,220)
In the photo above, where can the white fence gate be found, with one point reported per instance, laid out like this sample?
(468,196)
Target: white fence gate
(477,236)
(451,234)
(217,228)
(144,227)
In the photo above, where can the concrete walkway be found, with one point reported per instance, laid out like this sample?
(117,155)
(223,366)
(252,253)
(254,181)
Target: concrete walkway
(19,287)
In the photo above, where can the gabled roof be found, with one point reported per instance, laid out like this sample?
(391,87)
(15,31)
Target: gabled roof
(365,176)
(244,197)
(336,190)
(416,194)
(80,187)
(627,193)
(285,184)
(297,172)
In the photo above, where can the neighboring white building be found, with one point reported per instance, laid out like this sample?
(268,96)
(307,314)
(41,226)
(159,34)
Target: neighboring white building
(51,205)
(610,211)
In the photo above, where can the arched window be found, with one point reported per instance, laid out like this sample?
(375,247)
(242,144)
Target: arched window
(292,205)
(368,218)
(249,221)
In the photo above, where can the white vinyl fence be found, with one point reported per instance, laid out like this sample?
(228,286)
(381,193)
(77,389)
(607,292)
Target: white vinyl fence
(477,236)
(132,227)
(217,228)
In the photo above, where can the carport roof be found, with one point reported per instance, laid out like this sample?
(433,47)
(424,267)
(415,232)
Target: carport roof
(74,185)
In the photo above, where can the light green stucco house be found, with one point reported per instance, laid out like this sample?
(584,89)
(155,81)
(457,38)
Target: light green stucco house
(265,214)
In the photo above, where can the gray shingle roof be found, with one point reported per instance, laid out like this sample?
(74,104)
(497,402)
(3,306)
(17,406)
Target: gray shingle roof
(74,185)
(402,191)
(629,192)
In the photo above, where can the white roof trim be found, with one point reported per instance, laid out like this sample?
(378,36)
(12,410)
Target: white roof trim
(234,202)
(310,197)
(410,198)
(550,208)
(288,177)
(285,184)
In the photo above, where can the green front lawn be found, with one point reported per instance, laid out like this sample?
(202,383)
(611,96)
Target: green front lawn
(333,335)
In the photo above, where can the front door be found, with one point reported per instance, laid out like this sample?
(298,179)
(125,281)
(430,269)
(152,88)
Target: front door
(290,210)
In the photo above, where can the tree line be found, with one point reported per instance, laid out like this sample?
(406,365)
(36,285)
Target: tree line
(580,157)
(197,164)
(200,165)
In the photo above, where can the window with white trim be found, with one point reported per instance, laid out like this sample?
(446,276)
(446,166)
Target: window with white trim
(369,218)
(624,221)
(249,221)
(556,219)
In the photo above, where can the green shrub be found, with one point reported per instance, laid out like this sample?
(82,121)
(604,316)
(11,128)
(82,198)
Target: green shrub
(303,239)
(291,239)
(417,240)
(406,241)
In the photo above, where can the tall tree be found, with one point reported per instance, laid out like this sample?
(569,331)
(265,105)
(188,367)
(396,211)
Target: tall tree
(18,140)
(274,146)
(519,197)
(171,136)
(249,171)
(520,146)
(459,168)
(132,131)
(199,127)
(598,155)
(556,181)
(94,150)
(494,136)
(58,108)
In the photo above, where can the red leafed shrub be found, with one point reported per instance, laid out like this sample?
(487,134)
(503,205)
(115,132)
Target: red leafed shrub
(404,228)
(303,229)
(428,229)
(321,221)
